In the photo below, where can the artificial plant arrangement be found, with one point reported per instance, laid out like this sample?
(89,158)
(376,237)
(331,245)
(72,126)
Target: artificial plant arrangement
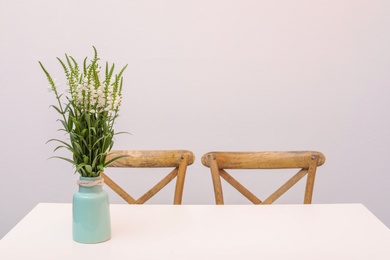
(88,109)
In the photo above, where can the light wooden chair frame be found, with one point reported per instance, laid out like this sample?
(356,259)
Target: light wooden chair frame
(306,161)
(176,159)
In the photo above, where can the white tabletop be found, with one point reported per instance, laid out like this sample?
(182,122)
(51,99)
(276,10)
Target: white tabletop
(338,231)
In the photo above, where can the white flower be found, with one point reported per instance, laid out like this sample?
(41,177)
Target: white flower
(56,85)
(100,93)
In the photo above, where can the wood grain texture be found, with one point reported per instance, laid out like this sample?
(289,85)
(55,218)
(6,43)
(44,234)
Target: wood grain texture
(306,161)
(176,159)
(110,183)
(263,160)
(216,180)
(241,188)
(311,174)
(181,174)
(149,158)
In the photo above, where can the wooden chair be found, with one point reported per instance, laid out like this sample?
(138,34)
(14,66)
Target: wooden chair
(306,161)
(176,159)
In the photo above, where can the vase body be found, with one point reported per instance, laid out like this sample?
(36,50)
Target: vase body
(91,214)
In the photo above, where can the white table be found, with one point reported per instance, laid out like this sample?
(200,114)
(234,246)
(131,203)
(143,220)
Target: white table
(338,231)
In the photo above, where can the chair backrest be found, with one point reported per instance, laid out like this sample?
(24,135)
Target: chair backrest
(176,159)
(306,161)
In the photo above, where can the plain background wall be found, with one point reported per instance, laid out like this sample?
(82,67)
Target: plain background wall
(205,75)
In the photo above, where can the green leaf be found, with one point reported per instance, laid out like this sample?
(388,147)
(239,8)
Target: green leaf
(114,159)
(88,168)
(63,158)
(60,141)
(120,133)
(63,146)
(58,110)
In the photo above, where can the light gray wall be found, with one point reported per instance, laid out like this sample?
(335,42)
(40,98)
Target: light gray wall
(206,75)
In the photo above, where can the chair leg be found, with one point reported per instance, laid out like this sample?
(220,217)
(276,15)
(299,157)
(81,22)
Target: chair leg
(180,180)
(310,180)
(216,180)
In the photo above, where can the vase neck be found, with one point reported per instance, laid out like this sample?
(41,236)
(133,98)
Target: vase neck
(89,189)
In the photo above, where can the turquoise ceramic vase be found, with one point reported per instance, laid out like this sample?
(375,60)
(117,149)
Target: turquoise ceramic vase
(91,212)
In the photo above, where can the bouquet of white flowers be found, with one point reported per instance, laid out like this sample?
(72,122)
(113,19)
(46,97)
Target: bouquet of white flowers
(88,114)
